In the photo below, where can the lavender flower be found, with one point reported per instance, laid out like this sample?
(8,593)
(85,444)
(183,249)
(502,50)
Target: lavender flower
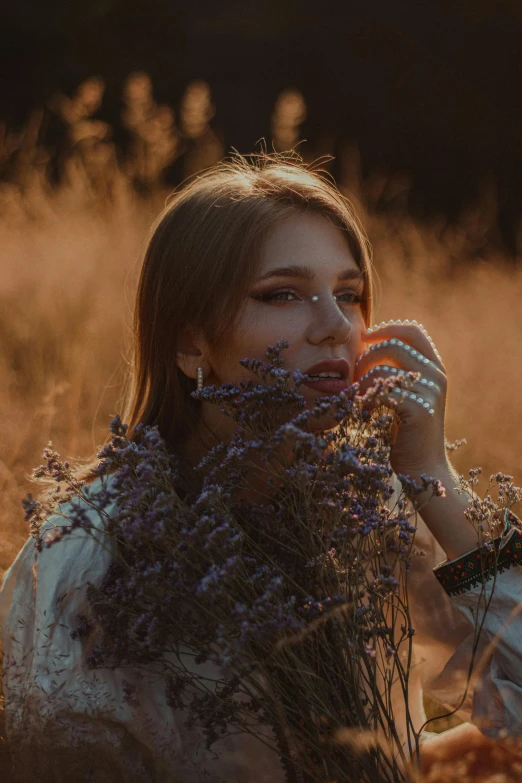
(289,598)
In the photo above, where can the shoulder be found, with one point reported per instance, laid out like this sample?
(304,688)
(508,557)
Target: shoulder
(81,555)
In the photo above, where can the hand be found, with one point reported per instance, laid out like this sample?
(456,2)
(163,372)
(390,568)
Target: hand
(395,347)
(419,446)
(464,753)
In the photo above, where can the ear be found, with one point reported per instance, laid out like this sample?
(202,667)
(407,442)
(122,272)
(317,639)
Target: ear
(191,354)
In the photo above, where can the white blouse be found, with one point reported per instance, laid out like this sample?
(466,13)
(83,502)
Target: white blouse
(88,721)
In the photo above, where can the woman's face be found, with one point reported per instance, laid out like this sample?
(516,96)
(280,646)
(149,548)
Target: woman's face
(304,256)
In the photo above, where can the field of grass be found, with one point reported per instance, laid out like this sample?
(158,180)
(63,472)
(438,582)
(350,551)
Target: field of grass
(69,261)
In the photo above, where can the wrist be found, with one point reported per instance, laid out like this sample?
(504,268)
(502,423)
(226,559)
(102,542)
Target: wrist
(440,469)
(445,515)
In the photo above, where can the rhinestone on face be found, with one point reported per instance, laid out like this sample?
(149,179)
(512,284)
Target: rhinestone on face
(400,343)
(407,348)
(431,411)
(423,381)
(420,400)
(426,360)
(426,405)
(413,396)
(396,390)
(393,341)
(431,384)
(315,298)
(385,368)
(404,393)
(413,352)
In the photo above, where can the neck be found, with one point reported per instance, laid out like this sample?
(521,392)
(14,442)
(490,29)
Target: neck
(213,428)
(209,433)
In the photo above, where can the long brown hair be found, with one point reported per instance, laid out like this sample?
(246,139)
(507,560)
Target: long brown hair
(201,258)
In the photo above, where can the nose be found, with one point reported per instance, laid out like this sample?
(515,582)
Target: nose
(328,322)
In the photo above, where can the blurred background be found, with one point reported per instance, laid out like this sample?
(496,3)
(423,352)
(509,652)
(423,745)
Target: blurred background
(106,106)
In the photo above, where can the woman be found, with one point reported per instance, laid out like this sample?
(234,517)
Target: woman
(241,257)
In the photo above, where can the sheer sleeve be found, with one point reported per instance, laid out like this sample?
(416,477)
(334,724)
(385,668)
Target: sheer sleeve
(56,709)
(494,699)
(68,722)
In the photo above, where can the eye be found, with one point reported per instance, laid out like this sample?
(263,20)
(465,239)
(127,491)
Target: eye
(282,296)
(277,296)
(348,298)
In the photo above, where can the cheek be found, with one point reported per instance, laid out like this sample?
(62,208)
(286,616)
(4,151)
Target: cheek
(358,328)
(253,333)
(357,341)
(259,328)
(272,322)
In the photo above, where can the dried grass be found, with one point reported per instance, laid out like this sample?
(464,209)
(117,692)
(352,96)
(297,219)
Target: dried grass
(69,261)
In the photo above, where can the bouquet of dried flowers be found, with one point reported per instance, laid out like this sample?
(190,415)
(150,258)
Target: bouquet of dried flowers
(287,569)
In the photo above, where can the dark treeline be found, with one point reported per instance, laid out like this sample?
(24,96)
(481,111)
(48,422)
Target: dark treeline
(429,88)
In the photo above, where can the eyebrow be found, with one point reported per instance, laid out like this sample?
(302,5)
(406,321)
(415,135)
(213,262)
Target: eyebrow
(305,273)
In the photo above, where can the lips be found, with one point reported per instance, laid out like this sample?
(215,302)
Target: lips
(331,365)
(329,385)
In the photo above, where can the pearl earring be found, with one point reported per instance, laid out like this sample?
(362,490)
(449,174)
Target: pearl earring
(200,378)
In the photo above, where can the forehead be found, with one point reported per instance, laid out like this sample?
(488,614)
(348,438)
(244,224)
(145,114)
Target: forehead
(307,240)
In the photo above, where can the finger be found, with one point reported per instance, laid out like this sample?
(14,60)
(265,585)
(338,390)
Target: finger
(411,395)
(409,399)
(398,354)
(453,744)
(412,333)
(421,385)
